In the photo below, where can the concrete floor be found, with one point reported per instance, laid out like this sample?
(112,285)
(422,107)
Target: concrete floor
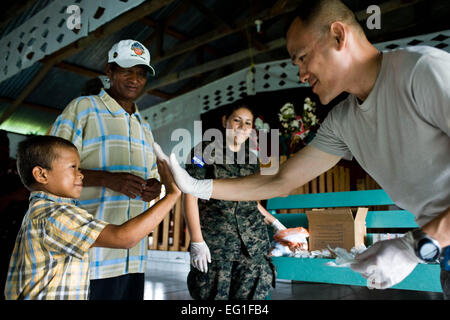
(167,272)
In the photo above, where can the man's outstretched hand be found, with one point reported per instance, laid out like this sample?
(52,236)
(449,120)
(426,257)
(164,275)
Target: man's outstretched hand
(199,188)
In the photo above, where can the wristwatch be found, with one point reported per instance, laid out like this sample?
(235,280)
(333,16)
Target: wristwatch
(426,248)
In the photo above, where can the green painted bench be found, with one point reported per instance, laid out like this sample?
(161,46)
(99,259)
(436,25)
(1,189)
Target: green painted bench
(425,277)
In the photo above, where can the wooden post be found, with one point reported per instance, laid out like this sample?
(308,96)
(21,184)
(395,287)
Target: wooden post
(177,219)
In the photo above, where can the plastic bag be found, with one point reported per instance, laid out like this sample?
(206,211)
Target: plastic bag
(345,258)
(289,242)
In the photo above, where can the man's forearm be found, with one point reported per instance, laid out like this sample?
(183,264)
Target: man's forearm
(304,166)
(249,188)
(439,228)
(94,178)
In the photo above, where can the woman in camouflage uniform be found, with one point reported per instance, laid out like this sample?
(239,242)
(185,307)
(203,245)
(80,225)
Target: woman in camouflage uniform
(230,235)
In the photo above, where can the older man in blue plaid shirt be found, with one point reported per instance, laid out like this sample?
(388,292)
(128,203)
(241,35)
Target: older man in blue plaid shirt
(118,164)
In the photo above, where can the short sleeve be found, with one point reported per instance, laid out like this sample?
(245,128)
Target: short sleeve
(328,137)
(431,88)
(70,123)
(72,231)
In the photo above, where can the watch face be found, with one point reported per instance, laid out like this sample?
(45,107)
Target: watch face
(428,250)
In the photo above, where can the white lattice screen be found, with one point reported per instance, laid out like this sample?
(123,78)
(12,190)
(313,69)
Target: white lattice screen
(48,31)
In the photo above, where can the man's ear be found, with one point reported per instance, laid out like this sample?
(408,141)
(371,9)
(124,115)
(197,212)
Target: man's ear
(339,34)
(224,121)
(40,175)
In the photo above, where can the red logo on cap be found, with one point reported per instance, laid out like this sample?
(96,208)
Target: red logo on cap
(137,48)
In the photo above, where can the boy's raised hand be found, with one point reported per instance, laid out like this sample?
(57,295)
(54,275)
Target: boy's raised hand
(167,178)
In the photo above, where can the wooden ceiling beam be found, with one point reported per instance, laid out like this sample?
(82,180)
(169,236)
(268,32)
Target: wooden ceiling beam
(210,15)
(161,94)
(26,92)
(386,7)
(169,30)
(78,69)
(211,65)
(220,33)
(278,9)
(34,106)
(14,11)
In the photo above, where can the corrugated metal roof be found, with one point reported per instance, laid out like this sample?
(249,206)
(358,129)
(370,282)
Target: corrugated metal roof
(25,16)
(13,86)
(96,55)
(57,89)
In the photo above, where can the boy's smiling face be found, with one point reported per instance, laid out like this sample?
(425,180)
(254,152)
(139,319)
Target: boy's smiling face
(64,179)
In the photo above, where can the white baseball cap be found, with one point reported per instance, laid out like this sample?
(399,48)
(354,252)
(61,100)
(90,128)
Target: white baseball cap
(129,53)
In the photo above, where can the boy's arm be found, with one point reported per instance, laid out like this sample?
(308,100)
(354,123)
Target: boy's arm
(304,166)
(131,232)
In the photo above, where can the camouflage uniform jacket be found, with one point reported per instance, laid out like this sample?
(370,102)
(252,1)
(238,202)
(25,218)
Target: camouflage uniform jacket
(229,227)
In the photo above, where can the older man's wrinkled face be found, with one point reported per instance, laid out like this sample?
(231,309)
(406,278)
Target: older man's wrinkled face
(315,55)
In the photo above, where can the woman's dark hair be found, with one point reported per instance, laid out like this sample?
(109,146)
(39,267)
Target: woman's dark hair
(38,151)
(229,111)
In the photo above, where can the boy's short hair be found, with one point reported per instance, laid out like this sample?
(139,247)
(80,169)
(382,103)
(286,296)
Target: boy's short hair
(38,151)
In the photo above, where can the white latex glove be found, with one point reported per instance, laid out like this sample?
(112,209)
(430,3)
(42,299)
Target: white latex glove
(200,256)
(199,188)
(277,225)
(387,262)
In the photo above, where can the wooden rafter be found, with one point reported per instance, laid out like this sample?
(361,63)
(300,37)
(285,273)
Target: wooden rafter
(211,65)
(386,7)
(181,50)
(78,69)
(218,34)
(17,8)
(34,106)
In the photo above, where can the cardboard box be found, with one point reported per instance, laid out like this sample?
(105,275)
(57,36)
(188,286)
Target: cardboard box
(343,228)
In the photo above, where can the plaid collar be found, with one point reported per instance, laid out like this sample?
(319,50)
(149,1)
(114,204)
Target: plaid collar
(51,197)
(114,107)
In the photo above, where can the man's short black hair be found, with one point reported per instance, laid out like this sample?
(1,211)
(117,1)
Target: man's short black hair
(38,151)
(328,10)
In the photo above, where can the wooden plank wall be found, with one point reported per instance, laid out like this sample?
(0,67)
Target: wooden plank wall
(172,233)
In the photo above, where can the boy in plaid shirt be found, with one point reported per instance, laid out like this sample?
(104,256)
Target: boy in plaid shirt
(50,259)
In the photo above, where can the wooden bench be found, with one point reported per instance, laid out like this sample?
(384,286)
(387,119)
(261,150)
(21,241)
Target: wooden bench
(425,277)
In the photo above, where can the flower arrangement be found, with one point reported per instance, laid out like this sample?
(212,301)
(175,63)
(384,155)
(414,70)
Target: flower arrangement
(260,124)
(296,128)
